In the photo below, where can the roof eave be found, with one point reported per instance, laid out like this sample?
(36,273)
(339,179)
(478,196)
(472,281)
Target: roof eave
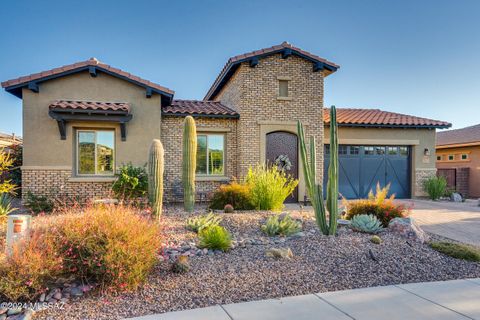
(370,125)
(16,90)
(200,115)
(215,89)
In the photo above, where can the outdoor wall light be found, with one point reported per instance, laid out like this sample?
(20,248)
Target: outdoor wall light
(426,152)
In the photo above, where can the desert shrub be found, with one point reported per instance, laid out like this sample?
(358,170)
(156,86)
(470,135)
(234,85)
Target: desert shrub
(33,264)
(380,195)
(181,265)
(269,187)
(109,245)
(457,250)
(6,163)
(39,203)
(384,212)
(196,224)
(435,187)
(367,223)
(132,182)
(5,205)
(235,194)
(281,225)
(215,238)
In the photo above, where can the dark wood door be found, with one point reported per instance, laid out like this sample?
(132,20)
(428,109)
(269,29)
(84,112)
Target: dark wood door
(282,147)
(450,175)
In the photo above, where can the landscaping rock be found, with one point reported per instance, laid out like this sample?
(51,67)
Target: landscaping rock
(76,292)
(408,228)
(3,310)
(343,222)
(280,253)
(42,297)
(456,197)
(13,311)
(3,316)
(298,235)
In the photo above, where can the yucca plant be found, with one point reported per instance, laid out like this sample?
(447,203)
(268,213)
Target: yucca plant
(314,189)
(5,205)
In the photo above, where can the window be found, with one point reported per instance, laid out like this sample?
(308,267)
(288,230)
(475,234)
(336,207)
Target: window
(464,156)
(392,151)
(354,149)
(342,149)
(368,150)
(403,151)
(380,150)
(210,154)
(327,149)
(451,157)
(439,158)
(283,88)
(95,152)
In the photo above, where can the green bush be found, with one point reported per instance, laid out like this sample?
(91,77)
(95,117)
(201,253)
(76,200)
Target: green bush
(215,238)
(196,224)
(132,183)
(384,212)
(281,225)
(235,194)
(457,250)
(269,187)
(435,187)
(367,223)
(39,203)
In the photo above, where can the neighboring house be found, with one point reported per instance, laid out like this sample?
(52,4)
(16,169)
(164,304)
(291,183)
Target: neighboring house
(458,159)
(8,140)
(82,121)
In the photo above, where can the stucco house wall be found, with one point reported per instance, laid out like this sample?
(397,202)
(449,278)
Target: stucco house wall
(49,162)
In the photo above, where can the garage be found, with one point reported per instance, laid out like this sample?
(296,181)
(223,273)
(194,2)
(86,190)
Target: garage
(361,167)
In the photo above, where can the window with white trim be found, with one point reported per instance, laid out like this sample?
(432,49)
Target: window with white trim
(95,152)
(464,156)
(210,154)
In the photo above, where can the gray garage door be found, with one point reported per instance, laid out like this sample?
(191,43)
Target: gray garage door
(362,167)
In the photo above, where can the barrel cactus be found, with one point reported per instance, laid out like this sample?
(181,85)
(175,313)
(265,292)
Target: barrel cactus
(189,163)
(367,223)
(155,177)
(314,189)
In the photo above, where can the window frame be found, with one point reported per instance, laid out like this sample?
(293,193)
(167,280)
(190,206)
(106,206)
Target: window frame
(452,157)
(77,152)
(464,155)
(286,82)
(207,174)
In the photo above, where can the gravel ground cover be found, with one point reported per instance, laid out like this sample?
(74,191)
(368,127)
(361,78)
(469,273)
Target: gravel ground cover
(319,264)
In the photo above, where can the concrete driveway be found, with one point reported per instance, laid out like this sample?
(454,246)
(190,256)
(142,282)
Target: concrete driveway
(457,221)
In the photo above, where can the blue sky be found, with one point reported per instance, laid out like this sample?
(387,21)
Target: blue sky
(414,57)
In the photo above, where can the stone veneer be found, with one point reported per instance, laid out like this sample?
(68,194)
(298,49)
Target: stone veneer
(57,183)
(420,176)
(172,131)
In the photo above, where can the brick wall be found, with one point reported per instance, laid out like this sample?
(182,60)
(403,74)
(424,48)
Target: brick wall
(56,182)
(254,91)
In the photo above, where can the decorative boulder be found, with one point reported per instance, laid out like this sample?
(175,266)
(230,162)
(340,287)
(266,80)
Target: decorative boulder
(456,197)
(407,228)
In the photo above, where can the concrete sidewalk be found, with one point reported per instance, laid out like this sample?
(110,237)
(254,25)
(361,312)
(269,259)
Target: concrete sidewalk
(456,299)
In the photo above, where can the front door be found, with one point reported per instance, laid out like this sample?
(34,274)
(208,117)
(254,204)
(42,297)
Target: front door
(282,149)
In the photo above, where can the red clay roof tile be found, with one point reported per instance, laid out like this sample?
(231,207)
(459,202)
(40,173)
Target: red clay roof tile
(349,116)
(89,62)
(89,105)
(198,107)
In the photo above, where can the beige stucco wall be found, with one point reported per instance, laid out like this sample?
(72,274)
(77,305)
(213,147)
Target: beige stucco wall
(43,148)
(419,139)
(254,92)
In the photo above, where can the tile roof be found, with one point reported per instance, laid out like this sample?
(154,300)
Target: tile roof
(89,105)
(199,108)
(467,135)
(234,61)
(83,65)
(376,117)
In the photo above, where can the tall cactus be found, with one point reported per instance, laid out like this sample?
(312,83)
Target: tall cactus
(315,189)
(155,177)
(189,163)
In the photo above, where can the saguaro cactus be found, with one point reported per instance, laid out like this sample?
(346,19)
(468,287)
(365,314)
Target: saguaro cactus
(189,163)
(155,177)
(314,189)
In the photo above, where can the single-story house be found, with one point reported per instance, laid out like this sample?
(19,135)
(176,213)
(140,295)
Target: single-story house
(8,140)
(82,121)
(458,159)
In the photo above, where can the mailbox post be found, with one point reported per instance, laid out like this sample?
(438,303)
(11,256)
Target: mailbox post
(17,228)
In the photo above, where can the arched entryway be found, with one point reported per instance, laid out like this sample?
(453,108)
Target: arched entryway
(282,148)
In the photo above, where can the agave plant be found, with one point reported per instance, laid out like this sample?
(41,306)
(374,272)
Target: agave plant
(6,205)
(367,223)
